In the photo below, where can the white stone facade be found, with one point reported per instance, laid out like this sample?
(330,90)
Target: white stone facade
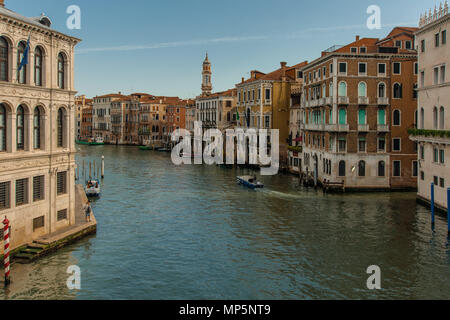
(37,128)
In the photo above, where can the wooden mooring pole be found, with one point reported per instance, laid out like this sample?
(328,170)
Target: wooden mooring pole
(6,251)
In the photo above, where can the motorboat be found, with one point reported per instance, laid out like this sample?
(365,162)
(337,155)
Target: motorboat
(250,182)
(92,188)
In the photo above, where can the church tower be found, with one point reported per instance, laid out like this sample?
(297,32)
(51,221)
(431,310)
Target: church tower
(206,77)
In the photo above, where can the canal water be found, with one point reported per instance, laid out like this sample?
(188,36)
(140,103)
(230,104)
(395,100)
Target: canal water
(190,232)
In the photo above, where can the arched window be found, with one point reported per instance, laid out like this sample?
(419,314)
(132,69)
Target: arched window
(21,74)
(342,168)
(435,118)
(2,128)
(4,59)
(330,92)
(441,118)
(248,117)
(362,168)
(398,91)
(362,89)
(422,118)
(342,89)
(396,118)
(381,90)
(381,169)
(38,67)
(362,116)
(61,71)
(324,91)
(37,128)
(61,128)
(381,117)
(20,128)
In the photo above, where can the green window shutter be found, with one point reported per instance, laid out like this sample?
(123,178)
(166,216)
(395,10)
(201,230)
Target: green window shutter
(362,116)
(342,116)
(381,117)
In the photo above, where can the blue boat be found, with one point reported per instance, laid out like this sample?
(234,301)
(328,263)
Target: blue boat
(249,182)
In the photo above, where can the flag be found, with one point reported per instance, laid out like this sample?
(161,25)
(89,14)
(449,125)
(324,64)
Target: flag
(25,54)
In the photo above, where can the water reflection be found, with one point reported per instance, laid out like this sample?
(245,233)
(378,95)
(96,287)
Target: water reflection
(191,232)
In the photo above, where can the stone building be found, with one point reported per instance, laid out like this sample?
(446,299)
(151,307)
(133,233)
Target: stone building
(37,127)
(216,110)
(86,122)
(433,132)
(101,116)
(263,102)
(81,102)
(358,104)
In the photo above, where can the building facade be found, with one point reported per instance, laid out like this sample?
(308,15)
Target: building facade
(101,116)
(81,102)
(37,127)
(86,123)
(433,125)
(358,104)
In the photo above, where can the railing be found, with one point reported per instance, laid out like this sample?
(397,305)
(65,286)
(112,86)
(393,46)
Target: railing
(383,101)
(337,127)
(329,101)
(383,128)
(363,127)
(314,127)
(363,100)
(343,100)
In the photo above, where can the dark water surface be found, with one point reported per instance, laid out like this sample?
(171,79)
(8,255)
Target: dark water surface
(191,232)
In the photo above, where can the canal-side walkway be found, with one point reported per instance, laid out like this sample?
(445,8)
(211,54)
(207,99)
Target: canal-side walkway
(56,240)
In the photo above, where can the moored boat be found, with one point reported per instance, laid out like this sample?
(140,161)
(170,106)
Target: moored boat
(250,182)
(145,148)
(92,188)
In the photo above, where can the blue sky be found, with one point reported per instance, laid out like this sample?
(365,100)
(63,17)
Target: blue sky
(158,46)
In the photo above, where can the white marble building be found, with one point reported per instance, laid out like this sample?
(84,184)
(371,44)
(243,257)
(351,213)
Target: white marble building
(37,127)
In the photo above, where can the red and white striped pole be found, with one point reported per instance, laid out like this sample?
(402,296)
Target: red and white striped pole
(6,251)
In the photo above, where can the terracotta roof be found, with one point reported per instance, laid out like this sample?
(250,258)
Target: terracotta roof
(111,95)
(227,93)
(275,75)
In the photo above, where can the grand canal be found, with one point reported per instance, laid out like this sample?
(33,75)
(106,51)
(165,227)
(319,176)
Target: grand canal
(191,232)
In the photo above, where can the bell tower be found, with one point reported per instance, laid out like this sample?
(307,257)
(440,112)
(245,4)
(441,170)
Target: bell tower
(206,77)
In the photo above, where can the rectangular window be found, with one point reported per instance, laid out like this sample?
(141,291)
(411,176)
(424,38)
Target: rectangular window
(362,50)
(422,175)
(381,68)
(38,223)
(38,188)
(422,79)
(62,215)
(408,44)
(267,121)
(62,183)
(442,182)
(21,192)
(436,180)
(342,145)
(397,172)
(436,40)
(442,156)
(381,144)
(353,50)
(442,74)
(416,68)
(436,75)
(422,153)
(415,169)
(362,145)
(342,67)
(331,69)
(444,37)
(398,43)
(5,192)
(396,144)
(422,45)
(397,68)
(435,155)
(267,94)
(362,68)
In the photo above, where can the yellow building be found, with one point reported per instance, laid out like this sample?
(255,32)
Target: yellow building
(263,102)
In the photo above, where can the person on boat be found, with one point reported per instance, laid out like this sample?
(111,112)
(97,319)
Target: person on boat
(96,185)
(88,211)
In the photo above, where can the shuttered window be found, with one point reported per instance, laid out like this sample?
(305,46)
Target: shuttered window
(38,188)
(62,215)
(21,192)
(5,191)
(62,183)
(38,223)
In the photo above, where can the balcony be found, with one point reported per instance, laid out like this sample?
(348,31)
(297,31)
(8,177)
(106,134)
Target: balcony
(314,127)
(343,100)
(363,100)
(383,101)
(329,101)
(337,127)
(322,101)
(363,127)
(314,103)
(383,128)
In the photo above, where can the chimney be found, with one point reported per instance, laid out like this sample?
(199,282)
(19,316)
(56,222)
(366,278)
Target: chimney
(283,70)
(357,38)
(253,72)
(243,79)
(2,3)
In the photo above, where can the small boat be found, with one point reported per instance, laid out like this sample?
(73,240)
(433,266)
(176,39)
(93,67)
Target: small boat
(93,188)
(250,182)
(145,148)
(163,150)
